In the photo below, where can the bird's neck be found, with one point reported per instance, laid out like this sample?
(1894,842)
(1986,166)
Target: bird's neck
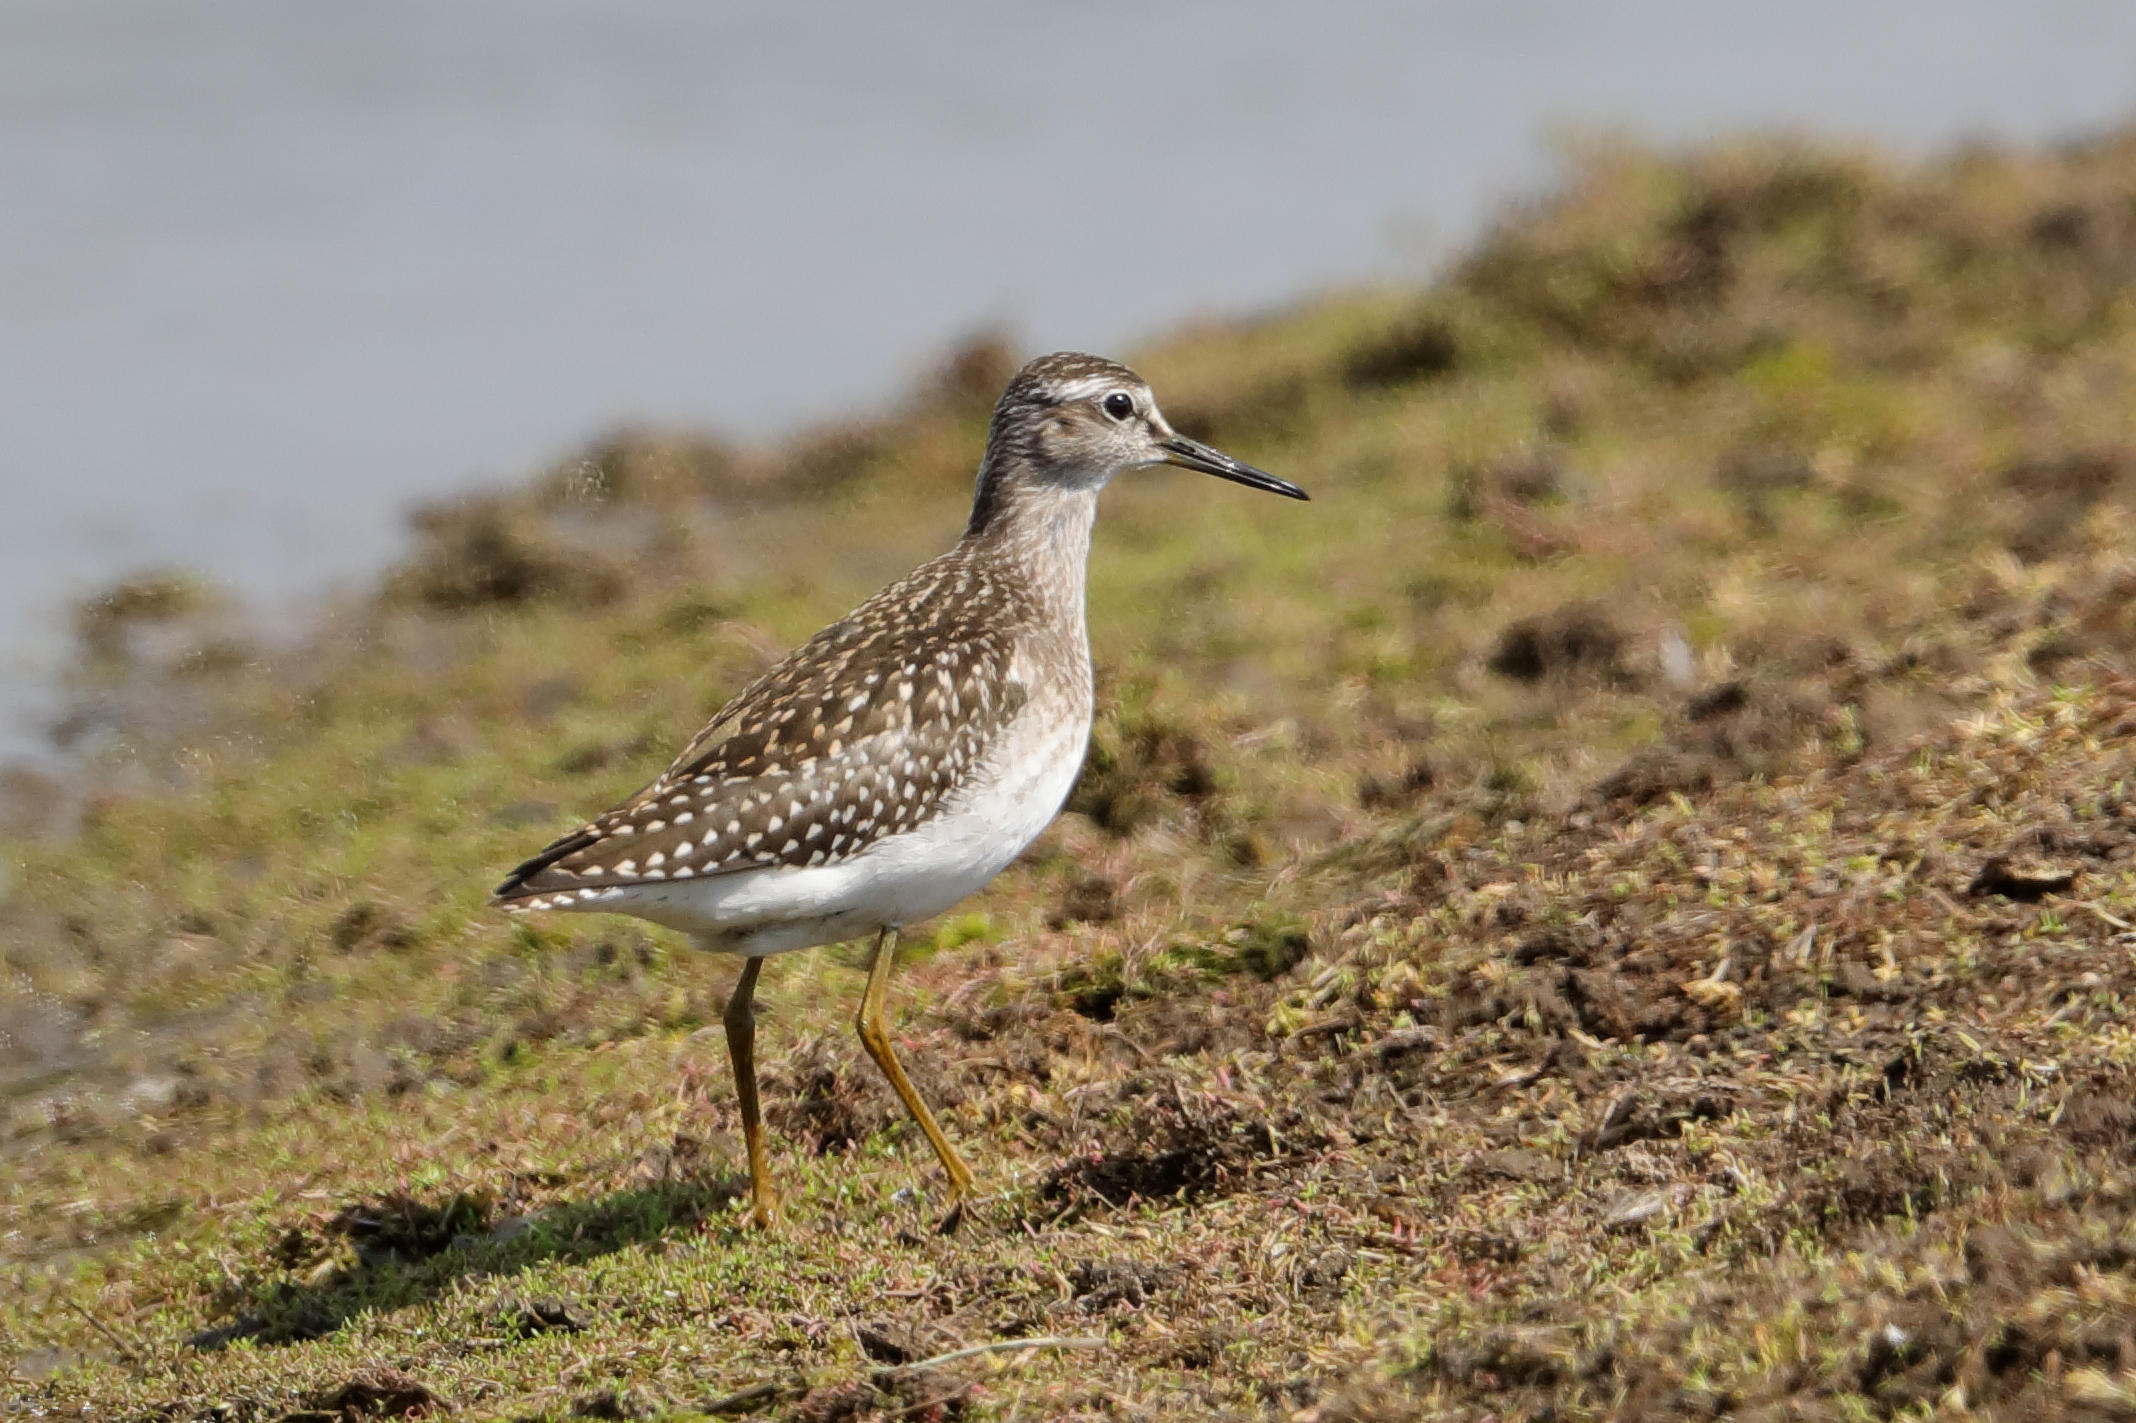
(1039,528)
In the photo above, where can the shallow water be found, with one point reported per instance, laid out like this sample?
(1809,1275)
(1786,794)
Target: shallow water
(270,272)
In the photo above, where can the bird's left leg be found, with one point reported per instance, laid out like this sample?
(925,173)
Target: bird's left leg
(740,1019)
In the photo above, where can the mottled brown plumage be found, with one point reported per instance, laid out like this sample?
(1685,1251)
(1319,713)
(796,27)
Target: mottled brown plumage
(860,733)
(870,726)
(903,756)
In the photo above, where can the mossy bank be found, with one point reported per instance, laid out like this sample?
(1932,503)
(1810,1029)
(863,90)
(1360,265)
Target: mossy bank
(1626,904)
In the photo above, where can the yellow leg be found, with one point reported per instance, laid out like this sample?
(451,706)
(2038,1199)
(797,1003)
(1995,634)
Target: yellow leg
(877,1042)
(740,1019)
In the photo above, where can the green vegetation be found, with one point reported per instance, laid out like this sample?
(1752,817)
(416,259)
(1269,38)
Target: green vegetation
(1626,903)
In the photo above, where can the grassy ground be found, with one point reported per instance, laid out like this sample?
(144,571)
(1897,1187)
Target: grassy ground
(1626,904)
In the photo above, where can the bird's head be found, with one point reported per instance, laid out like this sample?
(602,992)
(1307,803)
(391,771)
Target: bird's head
(1072,422)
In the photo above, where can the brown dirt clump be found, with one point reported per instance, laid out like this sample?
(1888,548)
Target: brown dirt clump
(480,554)
(375,1393)
(1572,640)
(1849,1023)
(103,621)
(1424,347)
(1137,768)
(2054,494)
(633,466)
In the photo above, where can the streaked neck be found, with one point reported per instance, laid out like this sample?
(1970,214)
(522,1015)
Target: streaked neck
(1039,527)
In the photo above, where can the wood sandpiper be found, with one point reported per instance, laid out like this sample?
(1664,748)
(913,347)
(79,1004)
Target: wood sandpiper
(905,755)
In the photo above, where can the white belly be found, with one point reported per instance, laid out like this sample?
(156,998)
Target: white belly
(898,880)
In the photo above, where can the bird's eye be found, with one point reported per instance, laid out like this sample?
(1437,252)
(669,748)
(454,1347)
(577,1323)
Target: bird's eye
(1119,405)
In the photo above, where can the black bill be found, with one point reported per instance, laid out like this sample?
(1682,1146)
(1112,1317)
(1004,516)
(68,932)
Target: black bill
(1193,454)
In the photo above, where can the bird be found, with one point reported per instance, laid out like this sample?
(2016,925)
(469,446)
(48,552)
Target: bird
(905,755)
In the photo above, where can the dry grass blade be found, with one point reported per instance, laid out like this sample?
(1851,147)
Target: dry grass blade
(997,1346)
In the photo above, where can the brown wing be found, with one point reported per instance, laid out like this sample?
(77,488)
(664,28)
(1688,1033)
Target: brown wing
(862,732)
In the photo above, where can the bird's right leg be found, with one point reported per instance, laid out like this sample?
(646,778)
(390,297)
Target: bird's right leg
(876,1040)
(740,1019)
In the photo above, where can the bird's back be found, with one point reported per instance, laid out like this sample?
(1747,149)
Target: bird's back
(896,716)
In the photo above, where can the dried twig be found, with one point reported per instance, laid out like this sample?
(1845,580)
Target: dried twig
(1332,1025)
(2112,921)
(126,1350)
(1000,1346)
(743,1399)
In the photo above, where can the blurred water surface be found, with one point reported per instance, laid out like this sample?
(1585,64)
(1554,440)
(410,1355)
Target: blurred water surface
(269,270)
